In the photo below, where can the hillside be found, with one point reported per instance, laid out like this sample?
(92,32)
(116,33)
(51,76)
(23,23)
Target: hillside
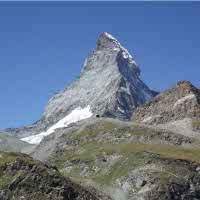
(126,160)
(21,177)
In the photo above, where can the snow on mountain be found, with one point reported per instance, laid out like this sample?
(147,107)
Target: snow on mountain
(109,82)
(76,115)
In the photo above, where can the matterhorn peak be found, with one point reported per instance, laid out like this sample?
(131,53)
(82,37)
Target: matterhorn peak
(107,35)
(107,41)
(108,48)
(109,86)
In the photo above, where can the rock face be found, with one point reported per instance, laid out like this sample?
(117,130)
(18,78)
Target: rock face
(179,102)
(109,83)
(21,177)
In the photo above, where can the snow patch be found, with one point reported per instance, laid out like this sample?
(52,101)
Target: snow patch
(122,111)
(184,99)
(110,36)
(116,49)
(125,55)
(127,90)
(76,115)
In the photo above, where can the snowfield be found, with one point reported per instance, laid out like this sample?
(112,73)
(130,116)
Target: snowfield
(76,115)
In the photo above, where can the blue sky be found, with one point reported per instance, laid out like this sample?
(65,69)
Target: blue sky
(43,46)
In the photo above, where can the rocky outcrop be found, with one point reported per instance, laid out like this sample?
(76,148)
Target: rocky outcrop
(109,84)
(179,102)
(21,177)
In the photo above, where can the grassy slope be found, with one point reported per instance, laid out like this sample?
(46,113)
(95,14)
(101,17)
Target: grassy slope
(21,177)
(105,161)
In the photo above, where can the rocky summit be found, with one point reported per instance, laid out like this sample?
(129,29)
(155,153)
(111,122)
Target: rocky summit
(109,84)
(177,109)
(179,102)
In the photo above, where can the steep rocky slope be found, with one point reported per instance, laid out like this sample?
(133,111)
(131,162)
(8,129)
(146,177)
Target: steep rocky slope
(11,143)
(126,160)
(21,177)
(109,84)
(179,102)
(177,109)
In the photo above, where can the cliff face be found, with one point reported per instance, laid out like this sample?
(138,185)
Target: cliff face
(109,84)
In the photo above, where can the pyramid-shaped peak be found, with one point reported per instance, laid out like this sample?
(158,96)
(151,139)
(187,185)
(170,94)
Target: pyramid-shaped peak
(109,85)
(107,41)
(107,35)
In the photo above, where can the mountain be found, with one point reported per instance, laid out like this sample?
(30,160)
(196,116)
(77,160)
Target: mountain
(108,136)
(13,144)
(134,160)
(109,86)
(21,177)
(176,109)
